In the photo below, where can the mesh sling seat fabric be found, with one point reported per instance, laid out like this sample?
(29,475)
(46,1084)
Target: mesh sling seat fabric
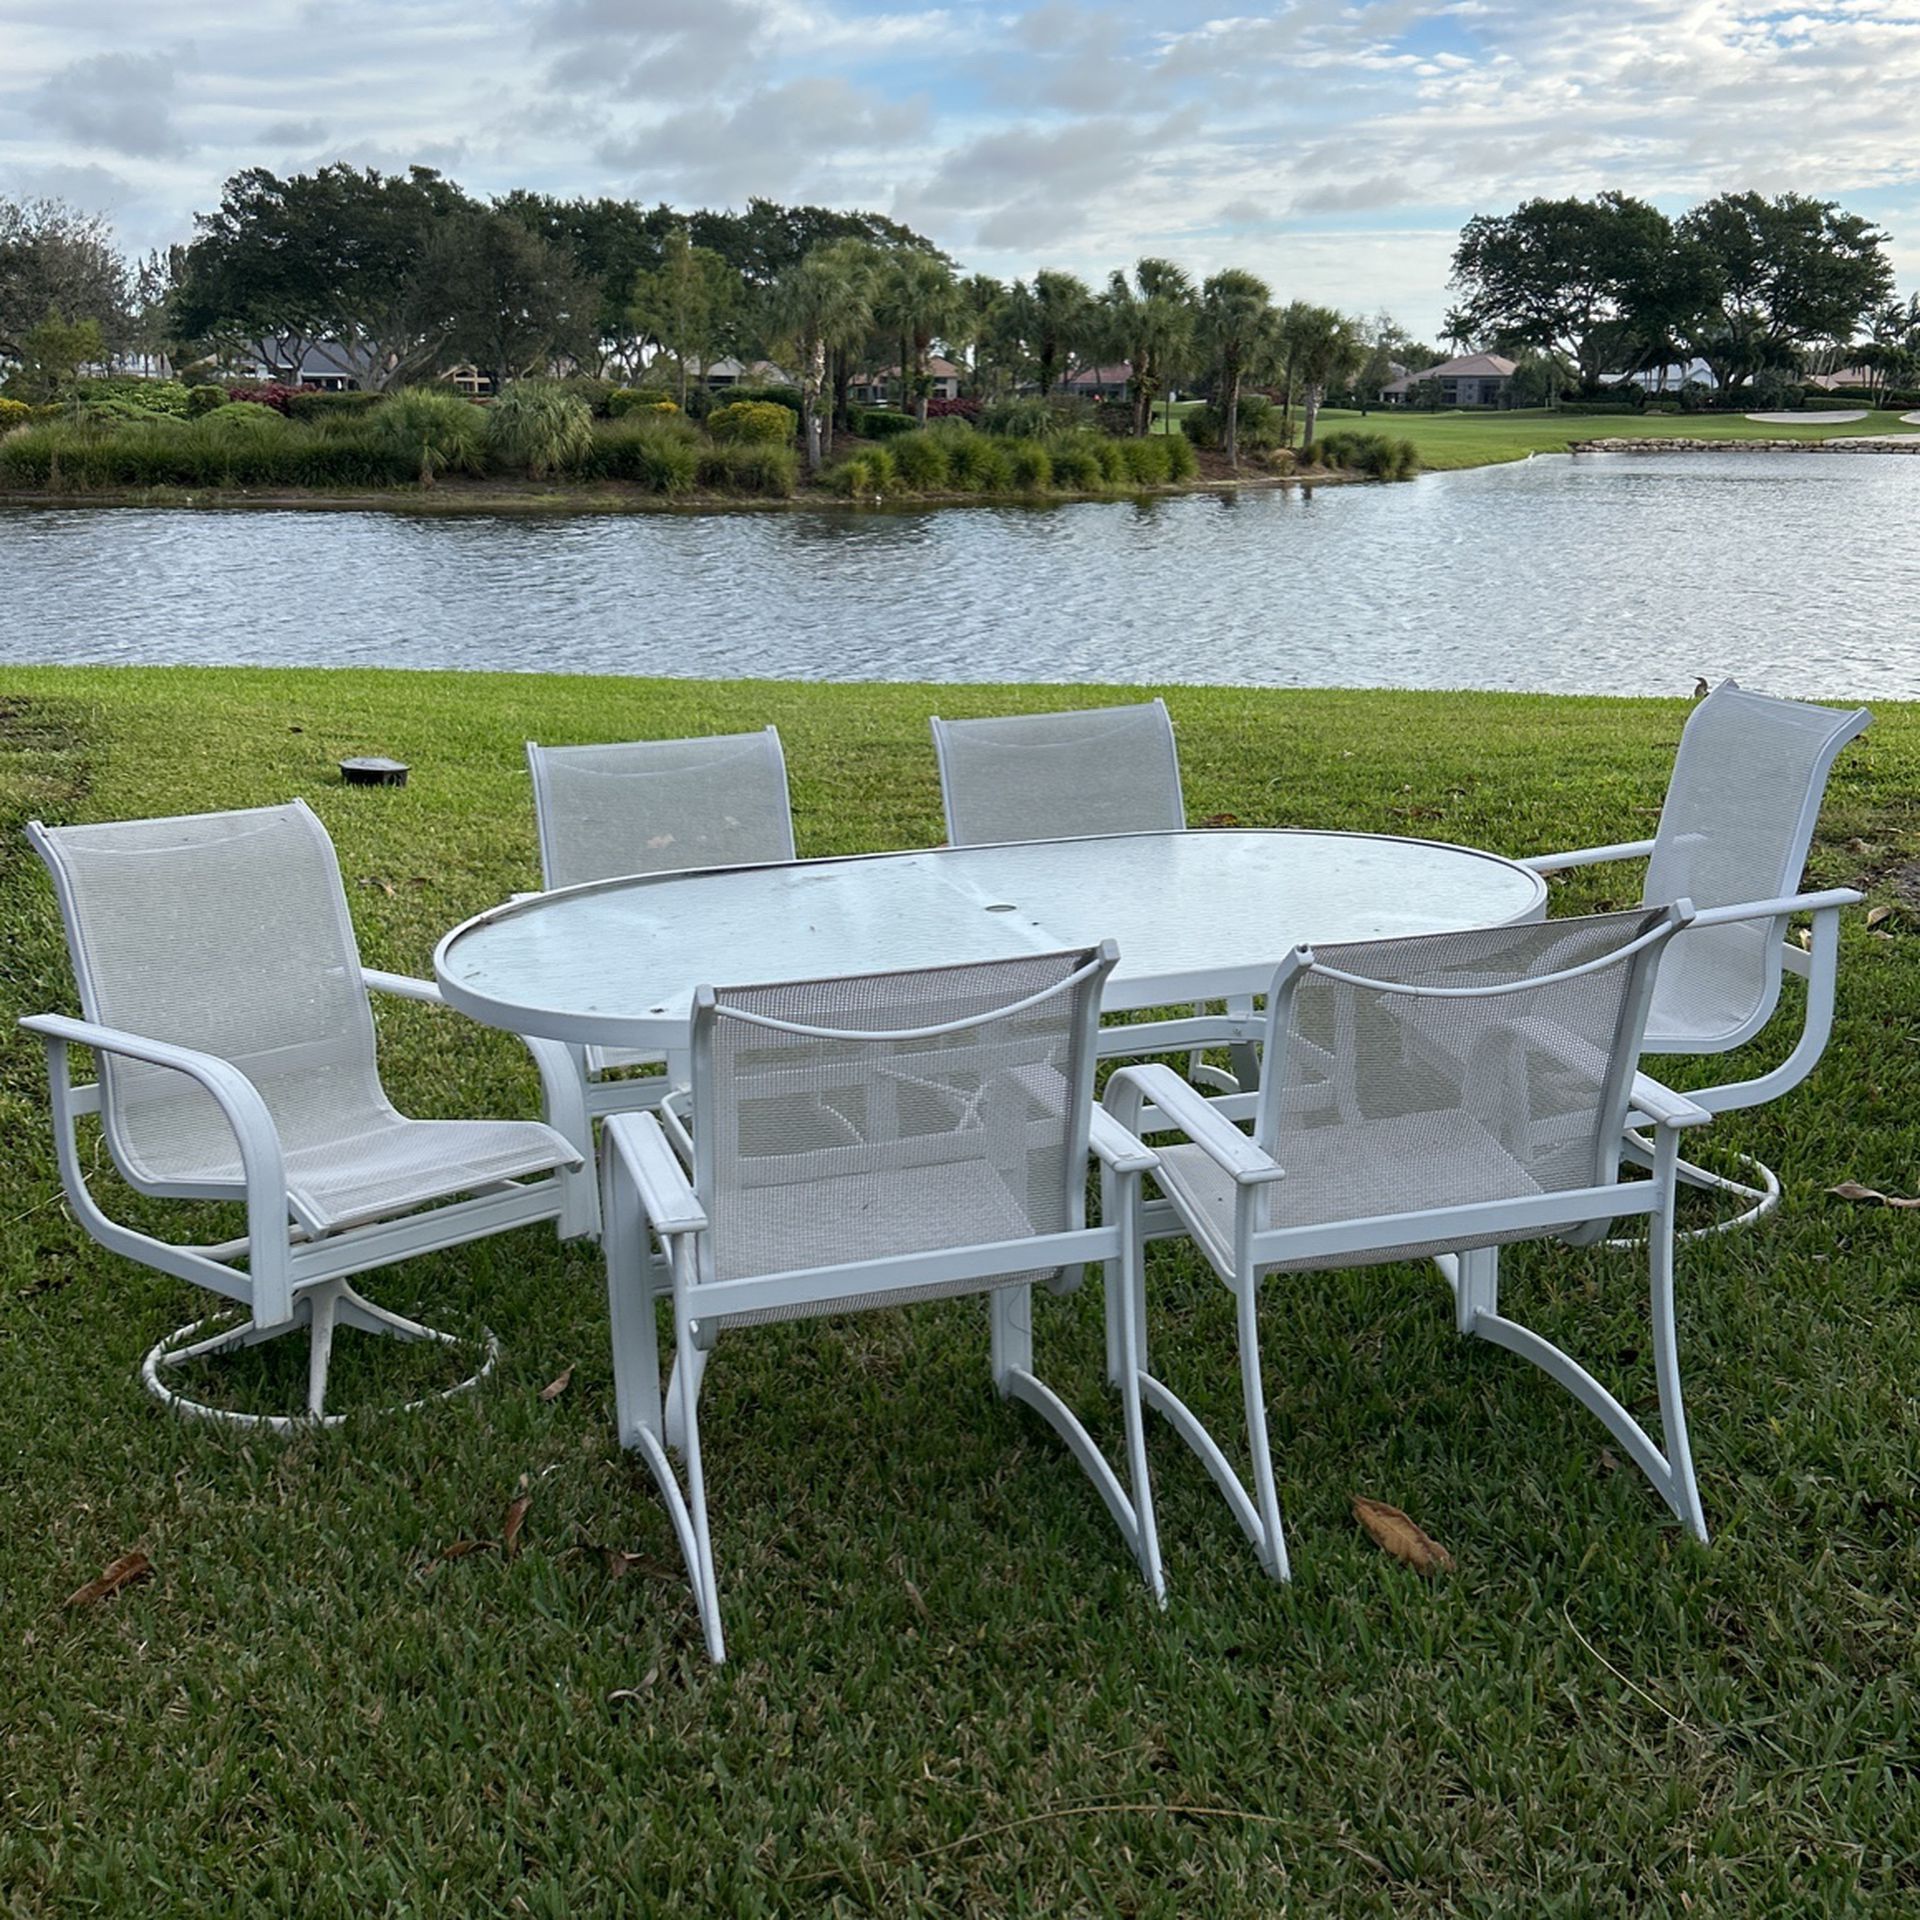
(1734,832)
(226,1005)
(1434,1097)
(1050,776)
(655,806)
(871,1142)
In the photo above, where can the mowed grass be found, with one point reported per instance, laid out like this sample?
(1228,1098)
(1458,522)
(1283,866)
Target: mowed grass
(949,1692)
(1481,439)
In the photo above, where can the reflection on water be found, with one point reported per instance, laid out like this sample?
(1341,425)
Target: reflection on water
(1605,574)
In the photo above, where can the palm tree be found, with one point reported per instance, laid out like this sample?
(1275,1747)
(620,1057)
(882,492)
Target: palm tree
(1237,332)
(917,299)
(1150,323)
(823,302)
(981,299)
(1049,322)
(1323,349)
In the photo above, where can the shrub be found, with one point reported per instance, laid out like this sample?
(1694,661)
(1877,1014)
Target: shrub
(537,428)
(966,407)
(788,397)
(880,423)
(660,455)
(755,420)
(242,417)
(1077,466)
(920,459)
(1202,427)
(163,454)
(597,393)
(1368,453)
(13,413)
(432,431)
(151,397)
(1148,462)
(867,476)
(204,399)
(272,393)
(1031,418)
(975,463)
(625,400)
(1029,469)
(316,406)
(1182,462)
(750,466)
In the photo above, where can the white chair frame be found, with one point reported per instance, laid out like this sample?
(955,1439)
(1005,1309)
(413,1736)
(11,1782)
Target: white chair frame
(1818,964)
(290,1279)
(1152,1099)
(1239,1027)
(651,1200)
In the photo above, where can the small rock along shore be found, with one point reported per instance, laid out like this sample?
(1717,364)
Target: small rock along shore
(1842,443)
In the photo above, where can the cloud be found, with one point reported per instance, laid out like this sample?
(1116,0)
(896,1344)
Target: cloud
(120,101)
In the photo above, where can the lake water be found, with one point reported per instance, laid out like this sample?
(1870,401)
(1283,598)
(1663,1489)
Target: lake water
(1603,573)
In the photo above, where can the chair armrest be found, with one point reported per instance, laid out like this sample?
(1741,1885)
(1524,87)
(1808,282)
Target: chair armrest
(1185,1109)
(1588,856)
(1663,1106)
(1113,1146)
(262,1165)
(634,1143)
(403,986)
(1831,900)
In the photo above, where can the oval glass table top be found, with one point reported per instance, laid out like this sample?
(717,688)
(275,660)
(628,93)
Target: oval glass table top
(1199,914)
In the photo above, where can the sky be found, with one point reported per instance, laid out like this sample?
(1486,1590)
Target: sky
(1335,149)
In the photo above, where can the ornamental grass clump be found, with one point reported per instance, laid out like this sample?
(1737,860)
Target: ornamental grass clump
(1077,467)
(976,463)
(867,476)
(1029,467)
(538,428)
(659,454)
(433,433)
(920,460)
(750,467)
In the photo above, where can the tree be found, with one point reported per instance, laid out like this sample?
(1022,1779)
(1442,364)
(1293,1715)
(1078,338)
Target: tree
(1555,274)
(1239,336)
(1892,350)
(1391,351)
(971,331)
(685,303)
(768,240)
(1149,323)
(51,356)
(611,243)
(822,303)
(1778,276)
(916,299)
(56,260)
(340,255)
(1322,349)
(512,302)
(1044,324)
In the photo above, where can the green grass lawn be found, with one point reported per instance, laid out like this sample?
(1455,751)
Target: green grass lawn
(948,1691)
(1479,439)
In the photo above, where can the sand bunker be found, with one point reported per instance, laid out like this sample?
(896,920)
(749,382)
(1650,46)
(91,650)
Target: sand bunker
(1809,419)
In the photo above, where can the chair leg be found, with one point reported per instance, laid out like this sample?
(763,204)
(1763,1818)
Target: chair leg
(1763,1197)
(322,1309)
(1671,1473)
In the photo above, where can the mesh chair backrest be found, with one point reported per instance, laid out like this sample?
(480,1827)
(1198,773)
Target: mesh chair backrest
(1518,1082)
(812,1151)
(660,806)
(1043,776)
(1735,826)
(225,932)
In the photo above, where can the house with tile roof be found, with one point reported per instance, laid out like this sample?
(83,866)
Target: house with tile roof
(1473,380)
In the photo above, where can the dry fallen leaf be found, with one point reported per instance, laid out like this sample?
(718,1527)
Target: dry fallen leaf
(515,1520)
(1805,937)
(461,1548)
(1853,1190)
(1877,916)
(620,1564)
(558,1384)
(620,1694)
(1401,1537)
(1221,820)
(116,1574)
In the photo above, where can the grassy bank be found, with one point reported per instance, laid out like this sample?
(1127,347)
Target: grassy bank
(1477,439)
(949,1693)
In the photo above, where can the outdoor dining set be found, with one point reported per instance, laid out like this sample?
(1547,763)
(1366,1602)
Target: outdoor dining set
(1298,1051)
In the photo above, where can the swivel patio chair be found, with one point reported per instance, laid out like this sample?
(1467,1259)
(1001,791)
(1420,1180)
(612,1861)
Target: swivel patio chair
(1734,832)
(1477,1097)
(871,1142)
(655,806)
(1052,776)
(227,1009)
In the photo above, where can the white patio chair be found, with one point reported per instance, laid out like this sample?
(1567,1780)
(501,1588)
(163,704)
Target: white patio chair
(871,1142)
(227,1010)
(655,806)
(1478,1097)
(1053,776)
(1734,832)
